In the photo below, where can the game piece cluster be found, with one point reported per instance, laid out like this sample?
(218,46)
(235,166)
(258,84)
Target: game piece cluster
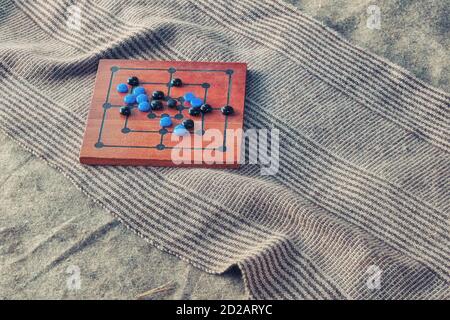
(138,96)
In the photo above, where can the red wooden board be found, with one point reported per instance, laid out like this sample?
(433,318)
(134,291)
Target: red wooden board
(114,139)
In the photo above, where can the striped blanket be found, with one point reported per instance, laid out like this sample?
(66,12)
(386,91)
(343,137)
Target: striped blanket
(358,208)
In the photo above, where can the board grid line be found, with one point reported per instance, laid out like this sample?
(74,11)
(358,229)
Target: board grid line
(171,70)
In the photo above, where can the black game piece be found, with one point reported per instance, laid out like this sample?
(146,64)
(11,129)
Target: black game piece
(126,111)
(205,108)
(227,110)
(158,95)
(188,123)
(194,111)
(176,82)
(156,105)
(133,81)
(172,103)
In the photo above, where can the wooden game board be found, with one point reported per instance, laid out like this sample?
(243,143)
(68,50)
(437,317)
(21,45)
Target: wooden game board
(138,139)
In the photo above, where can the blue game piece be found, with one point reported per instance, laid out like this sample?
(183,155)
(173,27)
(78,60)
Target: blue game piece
(144,106)
(165,122)
(180,130)
(138,90)
(122,88)
(189,96)
(142,98)
(129,99)
(196,102)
